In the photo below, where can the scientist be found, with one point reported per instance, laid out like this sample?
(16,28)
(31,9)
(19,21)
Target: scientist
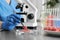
(8,14)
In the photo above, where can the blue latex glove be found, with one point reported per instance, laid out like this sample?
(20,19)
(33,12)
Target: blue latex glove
(11,22)
(8,16)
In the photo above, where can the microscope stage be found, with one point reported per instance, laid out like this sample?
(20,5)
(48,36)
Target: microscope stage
(29,26)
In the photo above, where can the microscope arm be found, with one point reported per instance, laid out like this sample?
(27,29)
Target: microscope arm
(33,6)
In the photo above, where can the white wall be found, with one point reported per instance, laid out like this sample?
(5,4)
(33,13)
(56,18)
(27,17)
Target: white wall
(39,5)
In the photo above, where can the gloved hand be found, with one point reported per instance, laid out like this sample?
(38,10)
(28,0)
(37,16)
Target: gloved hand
(11,22)
(14,18)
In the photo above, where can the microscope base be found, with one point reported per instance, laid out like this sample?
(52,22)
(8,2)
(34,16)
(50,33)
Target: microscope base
(29,26)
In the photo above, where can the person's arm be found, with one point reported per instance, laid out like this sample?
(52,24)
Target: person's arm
(11,20)
(0,18)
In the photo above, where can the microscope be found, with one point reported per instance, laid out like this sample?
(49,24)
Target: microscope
(29,19)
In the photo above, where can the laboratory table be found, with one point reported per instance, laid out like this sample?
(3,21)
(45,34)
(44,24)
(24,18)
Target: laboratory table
(11,35)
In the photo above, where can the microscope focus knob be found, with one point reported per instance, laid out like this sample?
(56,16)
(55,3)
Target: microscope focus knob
(30,16)
(26,6)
